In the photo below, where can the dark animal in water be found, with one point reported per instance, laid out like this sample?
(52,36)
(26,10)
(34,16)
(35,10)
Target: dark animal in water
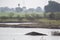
(36,34)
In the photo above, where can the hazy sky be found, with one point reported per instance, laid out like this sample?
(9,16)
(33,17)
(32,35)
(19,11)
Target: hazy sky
(27,3)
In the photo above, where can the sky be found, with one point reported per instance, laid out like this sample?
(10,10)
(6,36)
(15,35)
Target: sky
(27,3)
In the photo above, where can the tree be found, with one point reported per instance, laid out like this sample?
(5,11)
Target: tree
(31,10)
(57,15)
(19,18)
(11,14)
(3,18)
(38,9)
(52,15)
(52,7)
(18,9)
(29,17)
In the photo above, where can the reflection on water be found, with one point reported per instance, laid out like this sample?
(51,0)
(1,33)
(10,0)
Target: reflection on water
(18,34)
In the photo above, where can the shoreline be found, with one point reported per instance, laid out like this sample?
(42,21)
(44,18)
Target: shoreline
(29,25)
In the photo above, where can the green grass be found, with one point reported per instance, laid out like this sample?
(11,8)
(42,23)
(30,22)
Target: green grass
(56,22)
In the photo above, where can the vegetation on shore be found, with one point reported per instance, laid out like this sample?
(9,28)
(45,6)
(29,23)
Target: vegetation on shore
(43,20)
(20,17)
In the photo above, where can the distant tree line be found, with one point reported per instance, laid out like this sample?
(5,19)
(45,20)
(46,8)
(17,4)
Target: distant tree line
(19,9)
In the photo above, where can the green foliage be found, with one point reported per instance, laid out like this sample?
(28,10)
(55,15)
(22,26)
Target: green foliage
(53,15)
(57,15)
(11,14)
(19,17)
(29,17)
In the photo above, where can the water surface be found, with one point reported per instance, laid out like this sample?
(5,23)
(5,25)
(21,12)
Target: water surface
(18,34)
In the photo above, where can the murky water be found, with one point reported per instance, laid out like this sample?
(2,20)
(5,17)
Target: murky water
(18,34)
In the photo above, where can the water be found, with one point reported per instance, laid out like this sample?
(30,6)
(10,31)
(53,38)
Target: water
(17,23)
(18,34)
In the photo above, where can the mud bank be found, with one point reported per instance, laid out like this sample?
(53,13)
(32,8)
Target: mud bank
(30,25)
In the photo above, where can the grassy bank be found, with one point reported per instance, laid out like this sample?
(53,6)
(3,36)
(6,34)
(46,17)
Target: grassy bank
(42,22)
